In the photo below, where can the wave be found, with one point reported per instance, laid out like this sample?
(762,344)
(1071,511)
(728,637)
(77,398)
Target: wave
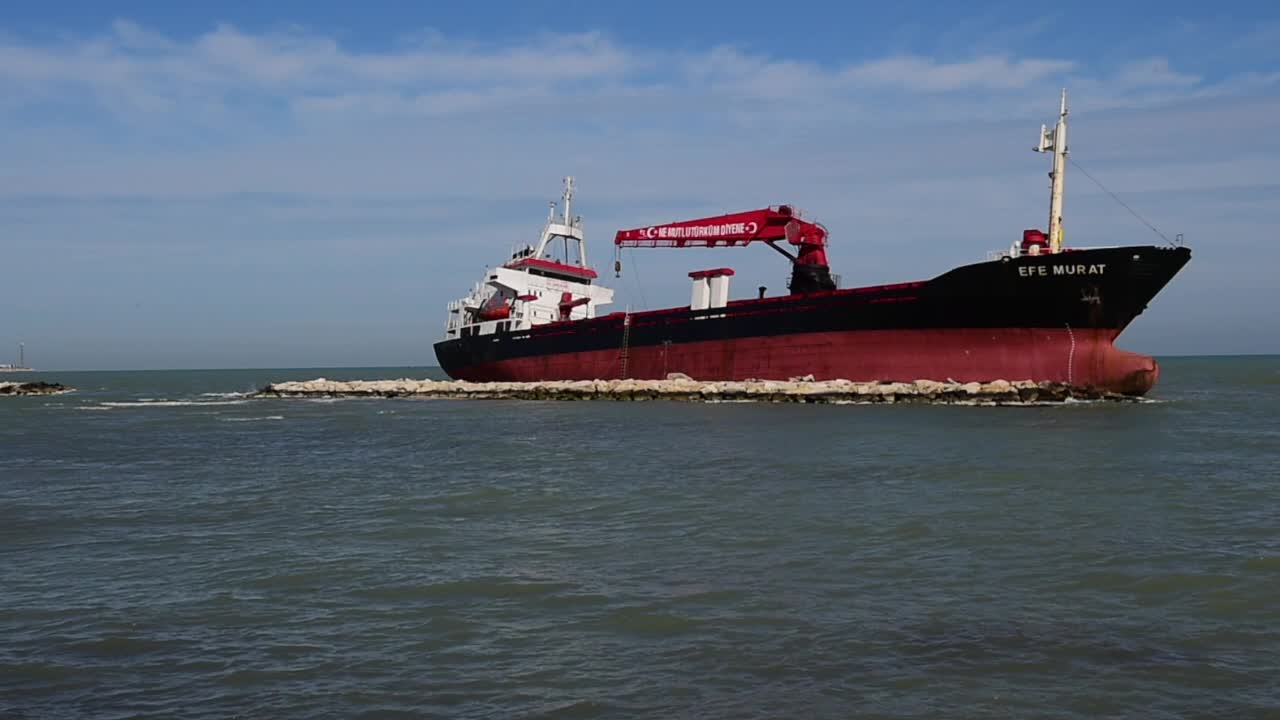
(251,419)
(171,403)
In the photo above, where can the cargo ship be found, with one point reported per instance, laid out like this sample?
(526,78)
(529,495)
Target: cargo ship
(1037,310)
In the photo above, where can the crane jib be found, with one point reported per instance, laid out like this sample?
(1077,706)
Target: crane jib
(766,225)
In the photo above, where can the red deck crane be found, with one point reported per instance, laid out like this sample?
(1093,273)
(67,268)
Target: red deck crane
(810,271)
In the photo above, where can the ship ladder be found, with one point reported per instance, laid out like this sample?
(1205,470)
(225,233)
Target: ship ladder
(626,344)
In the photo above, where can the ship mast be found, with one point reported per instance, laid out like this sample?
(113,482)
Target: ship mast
(568,228)
(1055,140)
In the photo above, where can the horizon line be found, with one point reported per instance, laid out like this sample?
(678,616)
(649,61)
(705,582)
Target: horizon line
(437,367)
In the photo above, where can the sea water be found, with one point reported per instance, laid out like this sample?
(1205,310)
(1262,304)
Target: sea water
(170,547)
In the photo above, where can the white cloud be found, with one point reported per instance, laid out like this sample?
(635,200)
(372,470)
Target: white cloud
(130,35)
(1152,72)
(226,58)
(426,104)
(134,74)
(983,73)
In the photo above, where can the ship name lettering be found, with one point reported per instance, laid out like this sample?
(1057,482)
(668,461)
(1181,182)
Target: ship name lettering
(1043,270)
(689,232)
(1096,269)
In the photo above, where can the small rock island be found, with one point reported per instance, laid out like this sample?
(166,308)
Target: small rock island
(33,388)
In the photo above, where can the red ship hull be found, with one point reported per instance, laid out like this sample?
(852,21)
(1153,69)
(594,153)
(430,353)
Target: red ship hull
(1078,357)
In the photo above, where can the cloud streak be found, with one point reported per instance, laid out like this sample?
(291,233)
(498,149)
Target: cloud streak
(135,73)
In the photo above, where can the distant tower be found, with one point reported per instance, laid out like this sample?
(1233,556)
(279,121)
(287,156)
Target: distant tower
(22,353)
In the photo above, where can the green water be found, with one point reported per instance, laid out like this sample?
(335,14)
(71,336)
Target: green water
(171,548)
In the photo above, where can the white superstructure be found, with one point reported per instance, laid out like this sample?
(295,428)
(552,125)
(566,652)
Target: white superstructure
(546,283)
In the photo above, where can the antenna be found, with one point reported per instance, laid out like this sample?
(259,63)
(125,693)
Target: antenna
(568,199)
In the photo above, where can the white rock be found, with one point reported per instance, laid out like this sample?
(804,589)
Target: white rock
(928,387)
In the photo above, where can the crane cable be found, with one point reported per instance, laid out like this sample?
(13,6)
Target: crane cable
(1122,203)
(617,268)
(636,273)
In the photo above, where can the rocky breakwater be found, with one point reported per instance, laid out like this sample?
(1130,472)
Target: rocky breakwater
(33,388)
(796,390)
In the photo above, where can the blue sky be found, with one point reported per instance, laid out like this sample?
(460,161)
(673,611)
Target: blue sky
(307,184)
